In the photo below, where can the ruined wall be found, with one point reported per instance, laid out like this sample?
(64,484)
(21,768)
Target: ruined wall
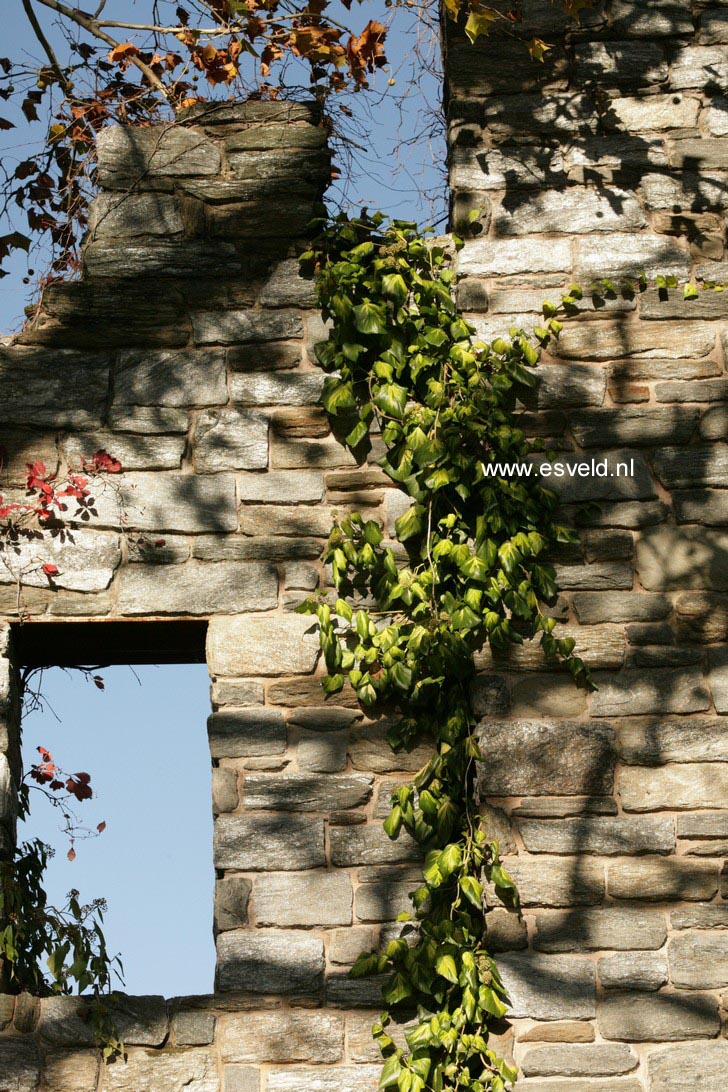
(184,351)
(611,159)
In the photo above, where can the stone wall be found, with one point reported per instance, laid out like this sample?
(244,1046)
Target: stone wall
(611,159)
(184,351)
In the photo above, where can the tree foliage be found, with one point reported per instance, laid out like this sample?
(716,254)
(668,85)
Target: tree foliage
(97,71)
(467,567)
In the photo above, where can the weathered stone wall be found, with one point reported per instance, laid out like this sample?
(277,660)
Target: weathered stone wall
(611,159)
(184,351)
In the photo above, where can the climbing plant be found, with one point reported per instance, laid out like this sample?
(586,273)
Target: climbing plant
(467,567)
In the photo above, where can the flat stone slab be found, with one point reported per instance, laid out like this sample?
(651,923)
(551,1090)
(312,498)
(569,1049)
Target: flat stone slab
(529,757)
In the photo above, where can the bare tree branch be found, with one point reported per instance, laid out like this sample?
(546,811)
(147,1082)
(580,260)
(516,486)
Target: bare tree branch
(91,25)
(63,80)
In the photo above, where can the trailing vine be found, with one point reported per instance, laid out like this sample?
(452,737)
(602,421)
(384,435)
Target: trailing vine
(469,567)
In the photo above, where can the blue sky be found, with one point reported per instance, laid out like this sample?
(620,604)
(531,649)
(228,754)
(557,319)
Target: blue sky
(145,746)
(402,185)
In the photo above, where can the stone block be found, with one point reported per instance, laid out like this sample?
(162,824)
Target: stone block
(718,677)
(653,880)
(241,733)
(114,215)
(281,487)
(86,561)
(187,503)
(631,693)
(578,1061)
(540,696)
(508,257)
(127,154)
(286,287)
(306,792)
(652,113)
(658,1017)
(346,945)
(674,1068)
(560,807)
(286,519)
(197,587)
(139,1021)
(633,971)
(158,259)
(490,697)
(506,931)
(483,169)
(383,901)
(275,1036)
(594,930)
(230,440)
(240,327)
(270,961)
(232,895)
(370,751)
(355,1078)
(174,1071)
(597,576)
(548,987)
(604,835)
(584,210)
(642,426)
(265,356)
(238,692)
(20,1064)
(309,899)
(528,758)
(195,1028)
(241,1078)
(699,67)
(699,154)
(613,476)
(280,644)
(556,883)
(699,961)
(150,452)
(568,1031)
(654,743)
(621,62)
(224,790)
(294,388)
(707,506)
(702,617)
(714,423)
(65,390)
(593,608)
(365,845)
(675,559)
(613,341)
(321,752)
(628,255)
(678,787)
(685,468)
(303,454)
(564,385)
(255,844)
(146,419)
(70,1071)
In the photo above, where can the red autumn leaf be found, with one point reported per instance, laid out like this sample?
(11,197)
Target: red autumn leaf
(50,570)
(102,461)
(101,828)
(78,786)
(71,854)
(122,53)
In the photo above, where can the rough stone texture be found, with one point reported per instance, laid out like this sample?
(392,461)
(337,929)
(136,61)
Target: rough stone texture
(252,844)
(661,1017)
(655,880)
(695,785)
(593,930)
(523,758)
(305,900)
(198,587)
(282,1037)
(549,988)
(175,1071)
(603,835)
(578,1061)
(699,961)
(269,961)
(283,644)
(140,1021)
(633,971)
(671,1068)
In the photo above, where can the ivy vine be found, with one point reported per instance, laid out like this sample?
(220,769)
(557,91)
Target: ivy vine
(469,567)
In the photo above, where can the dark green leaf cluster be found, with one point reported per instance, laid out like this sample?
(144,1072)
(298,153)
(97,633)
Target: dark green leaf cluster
(69,941)
(468,567)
